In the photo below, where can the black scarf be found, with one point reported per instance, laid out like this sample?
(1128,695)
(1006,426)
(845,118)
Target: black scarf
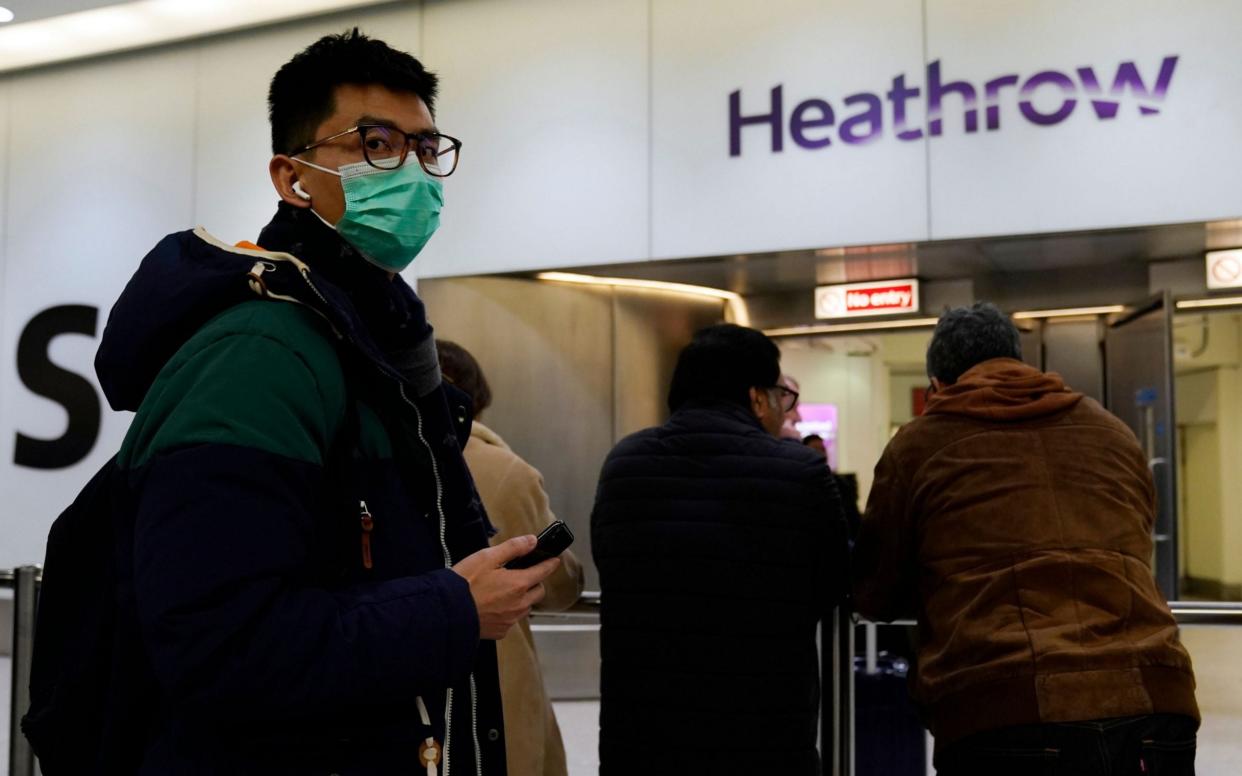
(391,312)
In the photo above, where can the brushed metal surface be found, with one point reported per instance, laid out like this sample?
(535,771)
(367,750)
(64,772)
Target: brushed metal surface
(572,369)
(568,648)
(1072,349)
(546,350)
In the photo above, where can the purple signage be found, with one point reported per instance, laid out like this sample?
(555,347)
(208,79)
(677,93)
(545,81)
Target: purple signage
(820,419)
(811,122)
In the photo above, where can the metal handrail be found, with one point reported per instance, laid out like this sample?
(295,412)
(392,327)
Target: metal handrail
(842,673)
(1207,612)
(8,576)
(1185,612)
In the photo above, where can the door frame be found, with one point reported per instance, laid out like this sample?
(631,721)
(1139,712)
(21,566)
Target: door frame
(1163,467)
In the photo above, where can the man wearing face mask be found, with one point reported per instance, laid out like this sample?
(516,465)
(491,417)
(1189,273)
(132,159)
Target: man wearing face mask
(719,547)
(311,573)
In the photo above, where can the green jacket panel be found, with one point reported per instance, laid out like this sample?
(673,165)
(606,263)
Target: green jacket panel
(261,375)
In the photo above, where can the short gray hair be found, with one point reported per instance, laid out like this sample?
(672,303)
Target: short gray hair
(966,336)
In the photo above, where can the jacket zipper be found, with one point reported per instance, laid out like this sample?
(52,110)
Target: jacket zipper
(448,563)
(305,273)
(368,525)
(474,726)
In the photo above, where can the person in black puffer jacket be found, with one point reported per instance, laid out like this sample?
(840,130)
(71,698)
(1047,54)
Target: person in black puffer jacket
(719,548)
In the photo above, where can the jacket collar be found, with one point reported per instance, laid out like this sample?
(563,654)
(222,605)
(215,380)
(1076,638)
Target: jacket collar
(487,436)
(699,413)
(388,308)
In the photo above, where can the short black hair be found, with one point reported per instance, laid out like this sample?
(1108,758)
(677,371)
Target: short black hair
(461,369)
(303,91)
(722,363)
(966,336)
(809,438)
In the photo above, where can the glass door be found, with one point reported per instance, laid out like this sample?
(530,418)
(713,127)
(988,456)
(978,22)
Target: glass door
(1138,359)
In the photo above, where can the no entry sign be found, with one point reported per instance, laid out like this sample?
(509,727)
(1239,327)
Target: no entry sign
(1224,269)
(858,300)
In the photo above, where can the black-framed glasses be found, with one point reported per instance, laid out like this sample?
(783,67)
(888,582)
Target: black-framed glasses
(387,148)
(789,398)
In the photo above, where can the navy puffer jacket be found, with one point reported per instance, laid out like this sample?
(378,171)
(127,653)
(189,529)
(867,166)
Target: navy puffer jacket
(281,632)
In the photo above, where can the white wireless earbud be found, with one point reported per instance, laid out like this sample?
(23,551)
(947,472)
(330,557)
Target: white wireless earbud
(297,189)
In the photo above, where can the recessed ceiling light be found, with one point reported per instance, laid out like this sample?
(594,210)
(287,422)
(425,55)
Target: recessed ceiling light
(5,15)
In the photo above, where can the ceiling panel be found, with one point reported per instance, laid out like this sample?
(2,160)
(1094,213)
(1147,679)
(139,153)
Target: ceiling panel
(770,273)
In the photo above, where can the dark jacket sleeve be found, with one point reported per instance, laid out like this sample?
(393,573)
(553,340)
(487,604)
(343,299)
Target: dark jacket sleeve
(233,618)
(828,513)
(884,556)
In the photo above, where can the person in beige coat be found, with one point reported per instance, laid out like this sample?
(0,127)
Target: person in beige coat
(513,495)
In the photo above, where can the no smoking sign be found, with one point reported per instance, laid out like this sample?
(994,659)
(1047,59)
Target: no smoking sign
(1224,269)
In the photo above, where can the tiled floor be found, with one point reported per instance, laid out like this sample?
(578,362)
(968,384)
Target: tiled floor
(579,721)
(1217,652)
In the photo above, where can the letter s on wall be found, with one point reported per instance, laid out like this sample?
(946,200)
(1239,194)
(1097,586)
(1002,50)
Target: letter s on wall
(70,390)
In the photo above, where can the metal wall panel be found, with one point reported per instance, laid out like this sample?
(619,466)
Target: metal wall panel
(1072,350)
(651,328)
(547,352)
(572,370)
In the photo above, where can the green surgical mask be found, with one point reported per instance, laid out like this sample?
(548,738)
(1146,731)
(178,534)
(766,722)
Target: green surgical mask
(389,214)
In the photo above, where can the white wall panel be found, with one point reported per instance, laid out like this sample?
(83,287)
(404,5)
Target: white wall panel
(550,100)
(5,155)
(706,201)
(234,197)
(5,394)
(99,167)
(1178,165)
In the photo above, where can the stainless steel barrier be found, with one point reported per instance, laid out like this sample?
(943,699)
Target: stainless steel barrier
(837,665)
(25,583)
(839,680)
(842,693)
(1207,612)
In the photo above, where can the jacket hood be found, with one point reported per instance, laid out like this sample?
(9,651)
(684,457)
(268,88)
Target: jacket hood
(1004,389)
(186,280)
(190,277)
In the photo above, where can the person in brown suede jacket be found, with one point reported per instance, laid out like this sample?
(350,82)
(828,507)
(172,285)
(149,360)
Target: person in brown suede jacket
(1014,521)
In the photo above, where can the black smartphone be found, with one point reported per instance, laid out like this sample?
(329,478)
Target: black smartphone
(553,540)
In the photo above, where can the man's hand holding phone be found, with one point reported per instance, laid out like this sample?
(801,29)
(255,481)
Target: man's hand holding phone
(504,596)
